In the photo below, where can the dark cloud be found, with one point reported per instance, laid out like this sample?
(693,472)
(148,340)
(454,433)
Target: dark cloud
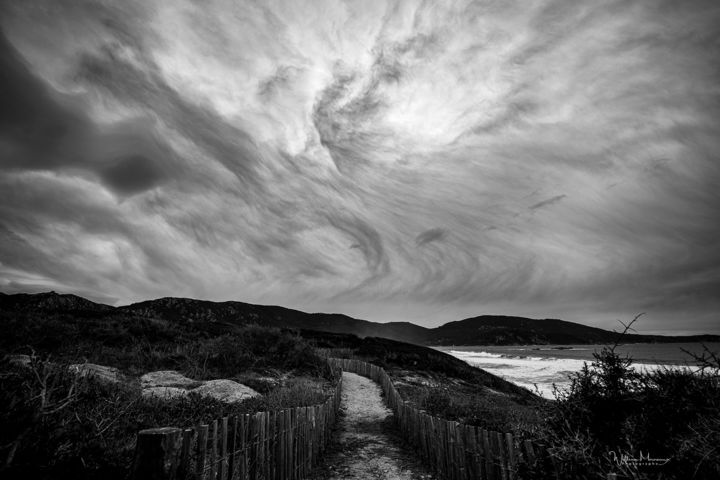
(222,141)
(131,174)
(547,202)
(432,235)
(43,130)
(35,128)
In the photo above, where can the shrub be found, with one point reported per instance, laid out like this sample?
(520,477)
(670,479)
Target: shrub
(58,425)
(55,425)
(609,407)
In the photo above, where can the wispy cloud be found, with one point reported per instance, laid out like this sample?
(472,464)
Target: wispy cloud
(547,202)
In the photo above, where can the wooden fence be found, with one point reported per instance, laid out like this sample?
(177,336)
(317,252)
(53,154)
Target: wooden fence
(273,445)
(456,451)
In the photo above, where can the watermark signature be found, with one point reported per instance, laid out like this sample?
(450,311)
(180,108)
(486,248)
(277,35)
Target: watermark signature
(644,460)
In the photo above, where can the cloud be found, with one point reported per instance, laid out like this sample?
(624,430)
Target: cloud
(368,241)
(432,235)
(46,131)
(300,154)
(545,203)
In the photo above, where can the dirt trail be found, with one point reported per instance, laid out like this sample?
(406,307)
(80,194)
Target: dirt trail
(366,445)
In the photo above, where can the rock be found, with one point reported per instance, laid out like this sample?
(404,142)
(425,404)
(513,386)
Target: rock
(169,384)
(167,378)
(101,372)
(225,391)
(165,393)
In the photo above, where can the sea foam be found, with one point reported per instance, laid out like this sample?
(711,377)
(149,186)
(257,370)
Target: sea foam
(535,373)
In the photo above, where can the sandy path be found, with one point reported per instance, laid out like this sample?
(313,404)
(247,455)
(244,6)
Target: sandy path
(366,445)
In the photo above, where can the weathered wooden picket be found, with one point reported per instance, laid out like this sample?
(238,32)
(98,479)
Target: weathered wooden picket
(456,451)
(274,445)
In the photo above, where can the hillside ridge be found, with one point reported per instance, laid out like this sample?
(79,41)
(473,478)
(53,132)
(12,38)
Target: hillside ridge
(480,330)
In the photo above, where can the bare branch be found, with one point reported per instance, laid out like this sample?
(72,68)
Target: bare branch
(626,328)
(707,360)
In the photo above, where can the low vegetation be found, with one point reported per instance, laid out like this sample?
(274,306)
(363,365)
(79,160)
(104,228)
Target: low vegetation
(641,425)
(56,424)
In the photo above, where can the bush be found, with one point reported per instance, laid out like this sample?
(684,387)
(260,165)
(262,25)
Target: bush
(137,345)
(55,425)
(59,425)
(611,410)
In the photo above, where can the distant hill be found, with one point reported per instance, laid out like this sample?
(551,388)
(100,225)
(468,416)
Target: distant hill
(500,330)
(482,330)
(50,301)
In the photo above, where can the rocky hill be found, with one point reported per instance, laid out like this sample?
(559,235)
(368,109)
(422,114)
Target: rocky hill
(481,330)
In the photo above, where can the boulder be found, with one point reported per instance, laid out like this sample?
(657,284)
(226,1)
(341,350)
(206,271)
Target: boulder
(101,372)
(225,391)
(167,378)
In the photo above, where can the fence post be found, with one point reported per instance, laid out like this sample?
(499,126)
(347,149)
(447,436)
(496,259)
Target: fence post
(157,454)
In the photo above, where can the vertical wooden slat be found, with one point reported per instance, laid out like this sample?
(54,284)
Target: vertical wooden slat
(471,452)
(306,441)
(201,458)
(286,448)
(275,446)
(232,437)
(298,444)
(442,438)
(494,455)
(263,445)
(281,445)
(453,464)
(436,443)
(293,425)
(184,469)
(462,453)
(480,453)
(511,456)
(157,454)
(501,458)
(529,452)
(284,443)
(488,454)
(222,458)
(213,449)
(312,435)
(247,446)
(266,445)
(262,465)
(253,451)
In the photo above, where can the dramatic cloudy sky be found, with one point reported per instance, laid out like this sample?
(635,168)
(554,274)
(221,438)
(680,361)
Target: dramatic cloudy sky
(423,161)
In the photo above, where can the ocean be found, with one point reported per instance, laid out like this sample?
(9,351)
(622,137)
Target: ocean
(545,365)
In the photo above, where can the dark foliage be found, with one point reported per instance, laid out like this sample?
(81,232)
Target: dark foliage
(55,424)
(610,411)
(137,345)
